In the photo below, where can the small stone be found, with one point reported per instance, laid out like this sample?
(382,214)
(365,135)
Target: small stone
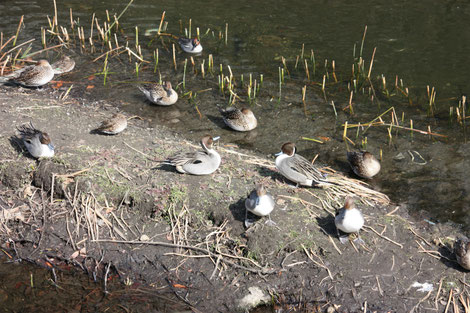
(144,238)
(255,297)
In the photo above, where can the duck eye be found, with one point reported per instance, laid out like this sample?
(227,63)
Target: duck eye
(28,141)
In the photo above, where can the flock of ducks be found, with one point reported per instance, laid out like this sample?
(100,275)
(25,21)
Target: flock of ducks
(292,166)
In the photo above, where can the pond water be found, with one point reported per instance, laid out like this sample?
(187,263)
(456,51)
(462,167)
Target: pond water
(422,42)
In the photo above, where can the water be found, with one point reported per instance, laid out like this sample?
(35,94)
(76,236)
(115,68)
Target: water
(423,42)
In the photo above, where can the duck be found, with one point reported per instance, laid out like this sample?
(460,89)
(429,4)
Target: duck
(32,75)
(190,45)
(363,163)
(114,125)
(298,169)
(349,220)
(161,94)
(64,65)
(259,202)
(462,252)
(38,143)
(203,162)
(240,120)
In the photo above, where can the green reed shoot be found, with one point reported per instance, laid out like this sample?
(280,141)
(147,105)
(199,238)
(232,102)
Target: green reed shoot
(363,39)
(333,66)
(283,60)
(326,70)
(155,56)
(197,33)
(136,37)
(334,109)
(280,85)
(357,129)
(312,59)
(411,127)
(306,70)
(202,69)
(161,22)
(18,30)
(323,88)
(189,32)
(304,94)
(210,65)
(184,74)
(105,69)
(137,69)
(364,142)
(254,90)
(72,24)
(174,55)
(43,37)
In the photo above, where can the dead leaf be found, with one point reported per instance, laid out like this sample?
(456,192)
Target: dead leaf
(179,286)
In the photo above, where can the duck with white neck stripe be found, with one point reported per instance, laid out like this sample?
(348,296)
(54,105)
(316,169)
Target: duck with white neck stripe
(203,162)
(298,169)
(38,143)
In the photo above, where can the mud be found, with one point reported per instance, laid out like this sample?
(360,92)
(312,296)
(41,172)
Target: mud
(107,206)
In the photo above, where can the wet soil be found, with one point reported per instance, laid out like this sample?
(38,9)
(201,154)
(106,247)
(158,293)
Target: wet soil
(107,206)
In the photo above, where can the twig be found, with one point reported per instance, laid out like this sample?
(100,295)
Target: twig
(144,154)
(320,265)
(378,285)
(420,237)
(438,293)
(171,245)
(448,301)
(384,237)
(421,301)
(432,252)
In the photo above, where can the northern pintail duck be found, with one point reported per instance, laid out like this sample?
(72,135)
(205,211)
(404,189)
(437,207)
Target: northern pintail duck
(260,203)
(190,45)
(64,65)
(298,169)
(38,143)
(114,125)
(160,94)
(31,75)
(462,252)
(364,164)
(349,219)
(203,162)
(240,120)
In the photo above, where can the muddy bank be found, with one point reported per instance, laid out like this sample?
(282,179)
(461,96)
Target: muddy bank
(105,205)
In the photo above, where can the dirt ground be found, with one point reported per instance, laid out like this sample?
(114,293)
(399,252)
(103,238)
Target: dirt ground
(104,204)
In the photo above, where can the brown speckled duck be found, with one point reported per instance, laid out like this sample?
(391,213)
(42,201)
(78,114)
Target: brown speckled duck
(364,164)
(462,252)
(240,120)
(31,75)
